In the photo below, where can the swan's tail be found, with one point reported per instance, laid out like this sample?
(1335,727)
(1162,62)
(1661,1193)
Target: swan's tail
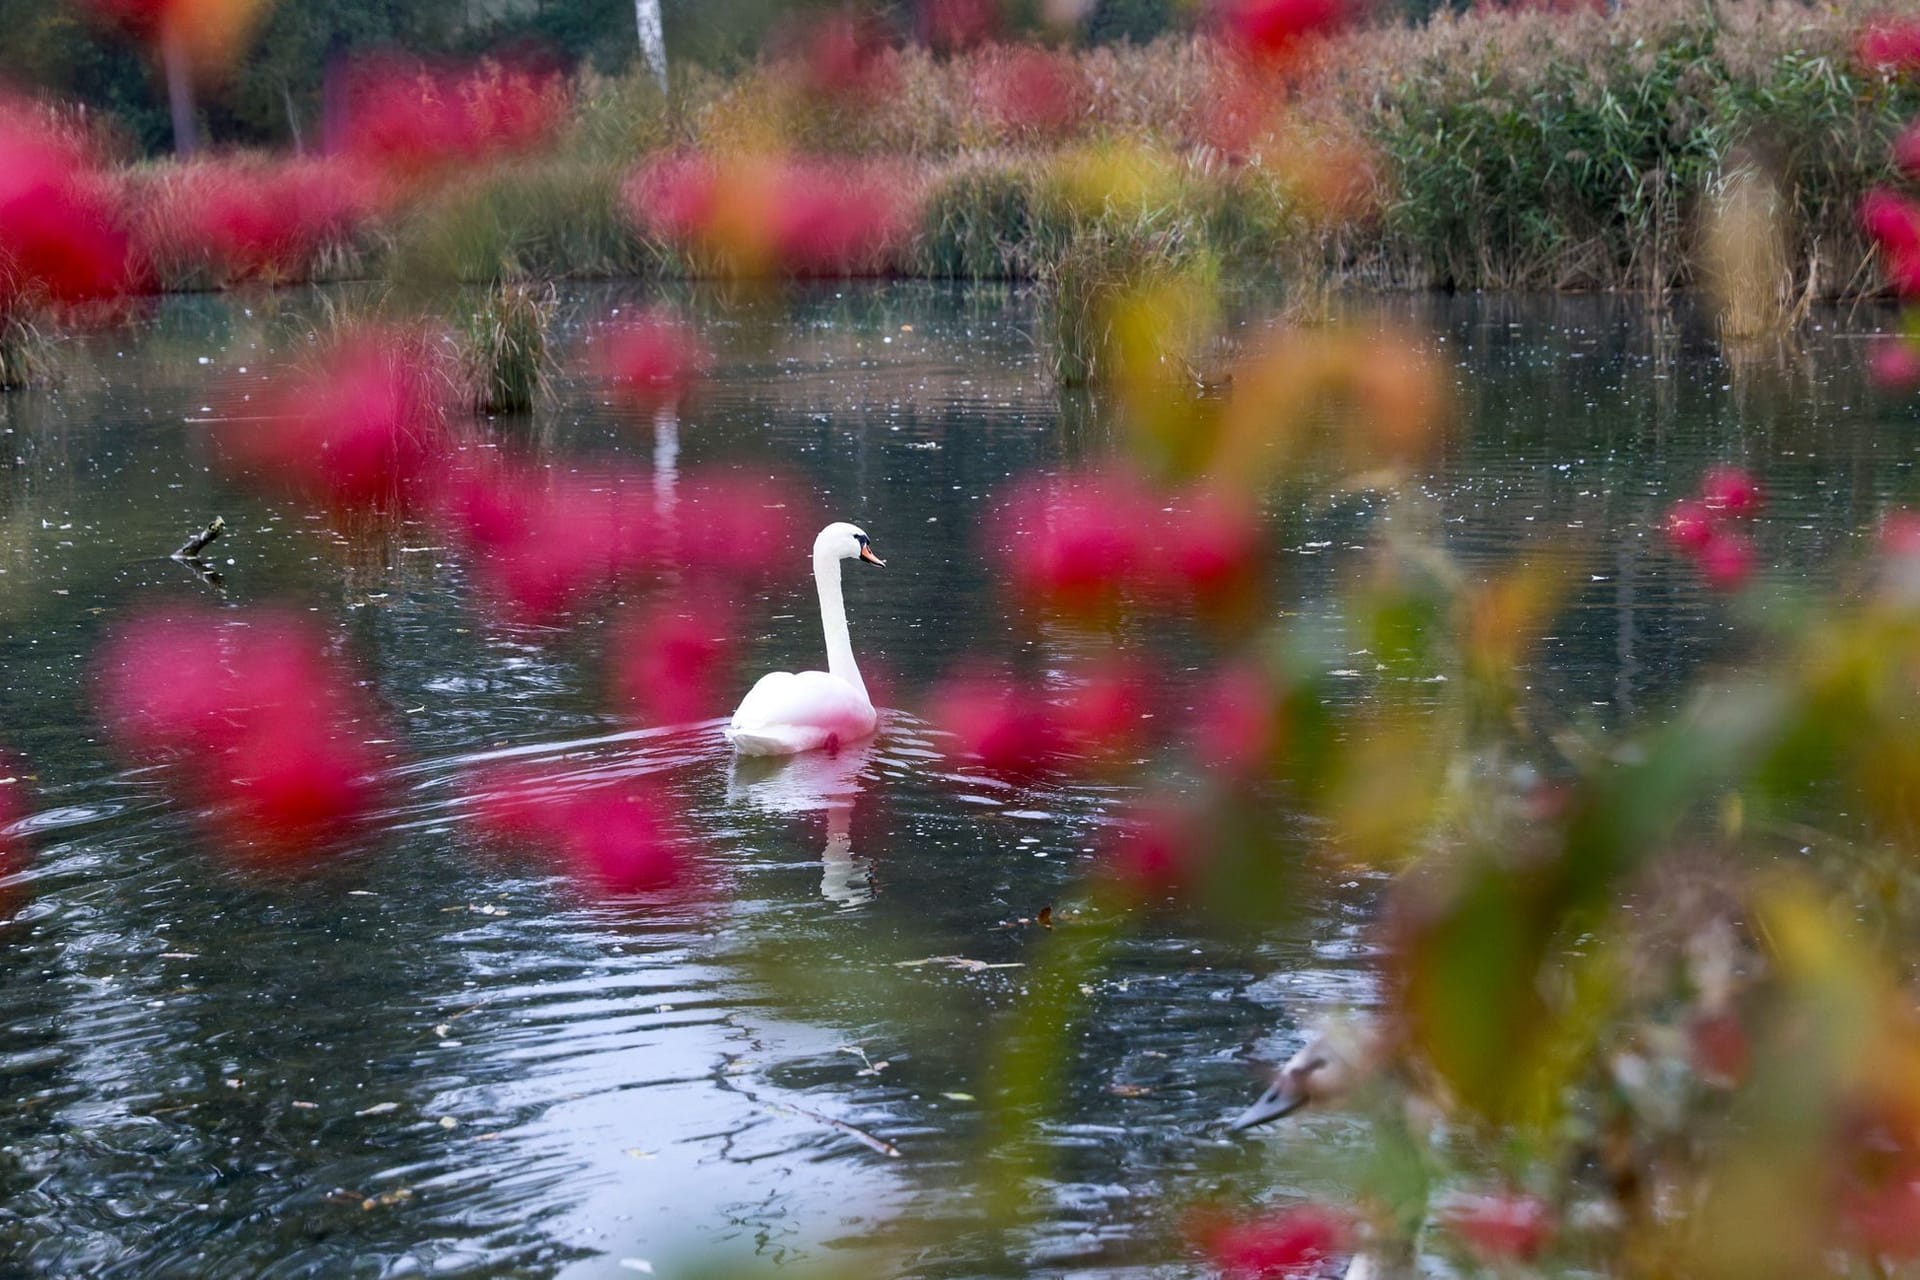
(775,740)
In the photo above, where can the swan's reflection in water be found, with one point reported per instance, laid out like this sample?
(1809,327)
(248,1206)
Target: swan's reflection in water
(807,783)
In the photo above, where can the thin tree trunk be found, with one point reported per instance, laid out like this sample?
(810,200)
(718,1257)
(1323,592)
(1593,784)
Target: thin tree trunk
(653,42)
(173,58)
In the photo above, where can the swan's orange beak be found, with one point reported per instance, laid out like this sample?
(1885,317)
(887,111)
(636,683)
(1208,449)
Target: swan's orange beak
(866,553)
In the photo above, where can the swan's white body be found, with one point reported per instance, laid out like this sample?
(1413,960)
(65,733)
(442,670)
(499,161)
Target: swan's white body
(788,712)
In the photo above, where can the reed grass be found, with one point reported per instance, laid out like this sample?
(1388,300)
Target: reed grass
(506,349)
(26,351)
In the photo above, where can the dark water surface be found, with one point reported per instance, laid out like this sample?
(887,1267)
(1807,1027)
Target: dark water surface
(421,1061)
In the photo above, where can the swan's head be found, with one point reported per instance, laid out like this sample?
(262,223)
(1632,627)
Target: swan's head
(844,541)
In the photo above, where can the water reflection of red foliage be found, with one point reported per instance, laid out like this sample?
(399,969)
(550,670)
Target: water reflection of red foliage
(650,360)
(361,430)
(611,841)
(263,726)
(1288,1242)
(60,236)
(671,662)
(414,119)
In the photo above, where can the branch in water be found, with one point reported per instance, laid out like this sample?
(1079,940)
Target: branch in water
(193,546)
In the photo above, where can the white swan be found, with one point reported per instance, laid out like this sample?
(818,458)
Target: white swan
(786,713)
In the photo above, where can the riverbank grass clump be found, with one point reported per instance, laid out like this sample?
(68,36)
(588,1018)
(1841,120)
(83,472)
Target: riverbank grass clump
(26,352)
(506,347)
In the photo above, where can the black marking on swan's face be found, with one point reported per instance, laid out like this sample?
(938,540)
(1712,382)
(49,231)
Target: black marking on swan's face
(866,551)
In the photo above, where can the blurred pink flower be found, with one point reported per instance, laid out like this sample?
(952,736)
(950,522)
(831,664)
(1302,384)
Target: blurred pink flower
(1157,850)
(542,544)
(845,56)
(263,726)
(1719,1048)
(1286,1242)
(1900,535)
(1893,364)
(1689,525)
(1732,491)
(742,526)
(1211,551)
(1889,43)
(1077,541)
(1727,560)
(1892,222)
(417,120)
(1234,721)
(60,235)
(1274,30)
(1024,89)
(1500,1229)
(361,430)
(610,840)
(254,219)
(1007,728)
(1107,710)
(650,360)
(670,663)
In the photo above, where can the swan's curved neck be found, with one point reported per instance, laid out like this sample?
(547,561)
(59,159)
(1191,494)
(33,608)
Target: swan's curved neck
(833,620)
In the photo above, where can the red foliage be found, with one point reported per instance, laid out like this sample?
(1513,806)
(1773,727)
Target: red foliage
(360,431)
(1889,44)
(259,220)
(612,842)
(1008,729)
(1078,541)
(1689,525)
(742,526)
(1501,1229)
(1727,560)
(269,731)
(1700,528)
(1894,365)
(1284,1243)
(1234,722)
(651,360)
(1720,1049)
(947,25)
(1877,1179)
(846,57)
(1157,851)
(1028,90)
(414,119)
(671,662)
(1731,490)
(1274,31)
(795,215)
(60,236)
(542,544)
(1892,222)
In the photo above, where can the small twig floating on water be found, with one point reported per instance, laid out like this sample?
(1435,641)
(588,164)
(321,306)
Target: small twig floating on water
(860,1135)
(192,547)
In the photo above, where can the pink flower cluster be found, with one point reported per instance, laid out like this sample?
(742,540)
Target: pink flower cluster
(1016,729)
(61,237)
(1705,528)
(612,840)
(254,219)
(416,120)
(1287,1242)
(791,215)
(650,360)
(1076,544)
(263,728)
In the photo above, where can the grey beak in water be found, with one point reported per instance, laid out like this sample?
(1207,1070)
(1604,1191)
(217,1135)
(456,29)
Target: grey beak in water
(1282,1099)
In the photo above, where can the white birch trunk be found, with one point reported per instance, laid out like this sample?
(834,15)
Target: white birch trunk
(653,43)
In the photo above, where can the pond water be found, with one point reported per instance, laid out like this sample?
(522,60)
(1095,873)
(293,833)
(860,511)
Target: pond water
(423,1061)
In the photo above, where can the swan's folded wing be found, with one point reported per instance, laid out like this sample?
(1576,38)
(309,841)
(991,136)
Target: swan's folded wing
(789,712)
